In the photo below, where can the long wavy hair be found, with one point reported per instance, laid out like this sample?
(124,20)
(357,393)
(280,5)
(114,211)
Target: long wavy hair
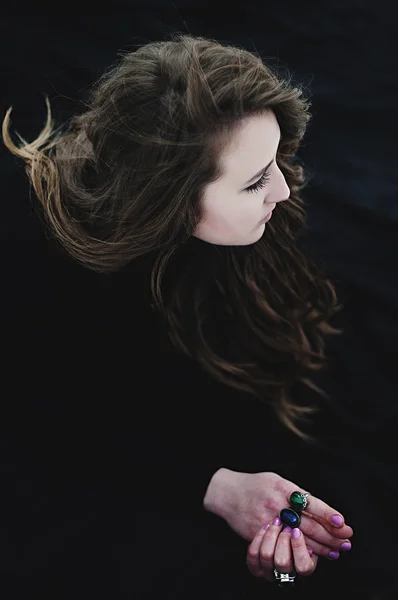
(125,179)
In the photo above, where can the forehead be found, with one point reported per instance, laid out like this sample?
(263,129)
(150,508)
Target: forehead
(252,145)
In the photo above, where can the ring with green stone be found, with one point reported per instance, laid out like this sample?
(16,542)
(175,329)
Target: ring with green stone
(299,501)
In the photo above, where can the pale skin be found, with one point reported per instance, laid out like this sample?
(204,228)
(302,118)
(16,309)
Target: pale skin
(248,501)
(233,210)
(281,547)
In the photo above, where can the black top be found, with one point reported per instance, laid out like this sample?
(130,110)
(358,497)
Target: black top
(109,438)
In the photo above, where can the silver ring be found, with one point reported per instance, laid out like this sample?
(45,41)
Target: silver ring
(284,578)
(299,500)
(305,496)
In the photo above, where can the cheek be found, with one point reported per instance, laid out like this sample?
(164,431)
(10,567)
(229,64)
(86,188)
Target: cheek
(229,213)
(218,212)
(252,206)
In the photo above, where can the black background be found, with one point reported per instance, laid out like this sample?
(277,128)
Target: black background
(346,54)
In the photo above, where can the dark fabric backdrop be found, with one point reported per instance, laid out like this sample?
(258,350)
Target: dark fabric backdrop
(347,55)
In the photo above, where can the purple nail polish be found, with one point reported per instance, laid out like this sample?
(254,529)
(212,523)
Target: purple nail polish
(310,550)
(345,546)
(288,529)
(266,526)
(334,555)
(337,520)
(277,521)
(296,533)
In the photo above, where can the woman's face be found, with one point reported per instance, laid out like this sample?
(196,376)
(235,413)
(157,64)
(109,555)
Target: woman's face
(234,207)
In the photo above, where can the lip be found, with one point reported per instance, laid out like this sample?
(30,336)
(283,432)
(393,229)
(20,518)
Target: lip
(267,218)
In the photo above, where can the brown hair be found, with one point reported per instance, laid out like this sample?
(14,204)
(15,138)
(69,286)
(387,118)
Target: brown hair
(125,179)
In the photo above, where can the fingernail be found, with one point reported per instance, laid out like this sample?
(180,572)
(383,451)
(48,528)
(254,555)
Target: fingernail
(288,529)
(266,526)
(310,550)
(345,546)
(337,520)
(296,533)
(334,555)
(277,521)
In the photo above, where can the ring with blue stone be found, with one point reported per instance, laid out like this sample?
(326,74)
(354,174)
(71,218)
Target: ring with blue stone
(290,517)
(298,501)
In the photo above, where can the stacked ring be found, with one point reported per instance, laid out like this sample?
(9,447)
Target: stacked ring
(291,517)
(284,579)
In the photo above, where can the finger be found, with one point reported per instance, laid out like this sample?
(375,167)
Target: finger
(322,551)
(283,556)
(267,549)
(303,562)
(314,530)
(343,532)
(314,557)
(253,553)
(317,507)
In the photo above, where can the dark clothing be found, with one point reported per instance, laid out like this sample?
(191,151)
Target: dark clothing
(70,526)
(109,439)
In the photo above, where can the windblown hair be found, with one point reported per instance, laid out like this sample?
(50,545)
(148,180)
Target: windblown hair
(125,178)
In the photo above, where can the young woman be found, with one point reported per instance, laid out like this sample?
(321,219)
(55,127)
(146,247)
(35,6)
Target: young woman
(179,188)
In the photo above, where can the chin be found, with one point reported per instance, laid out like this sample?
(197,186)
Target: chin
(257,235)
(248,242)
(254,236)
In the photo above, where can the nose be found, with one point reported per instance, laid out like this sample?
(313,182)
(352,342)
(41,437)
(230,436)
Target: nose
(281,190)
(285,195)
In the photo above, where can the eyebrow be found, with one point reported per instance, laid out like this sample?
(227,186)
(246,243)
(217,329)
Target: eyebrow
(259,173)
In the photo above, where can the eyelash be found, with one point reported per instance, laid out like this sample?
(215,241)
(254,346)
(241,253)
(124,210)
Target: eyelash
(262,182)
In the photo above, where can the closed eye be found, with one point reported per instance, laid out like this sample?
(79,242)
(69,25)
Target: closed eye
(262,182)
